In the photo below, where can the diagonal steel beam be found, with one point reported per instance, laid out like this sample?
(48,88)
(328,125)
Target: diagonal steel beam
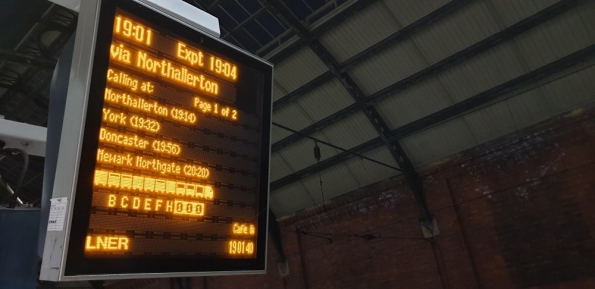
(22,58)
(55,47)
(317,32)
(330,119)
(221,24)
(494,93)
(434,16)
(358,96)
(216,3)
(311,85)
(471,51)
(491,95)
(244,23)
(326,163)
(340,148)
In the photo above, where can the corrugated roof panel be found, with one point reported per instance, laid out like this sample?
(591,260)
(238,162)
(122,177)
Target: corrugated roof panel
(324,100)
(349,132)
(459,30)
(367,173)
(298,69)
(438,142)
(325,10)
(336,181)
(416,102)
(290,198)
(531,105)
(558,37)
(359,31)
(407,11)
(531,48)
(490,122)
(346,133)
(529,108)
(300,155)
(278,91)
(586,15)
(292,116)
(482,72)
(279,167)
(569,33)
(278,133)
(387,67)
(513,11)
(558,94)
(572,91)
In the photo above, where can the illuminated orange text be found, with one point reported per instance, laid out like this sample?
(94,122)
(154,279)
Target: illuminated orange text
(176,207)
(183,115)
(192,56)
(150,106)
(122,139)
(196,171)
(113,117)
(237,247)
(131,30)
(122,78)
(144,123)
(210,107)
(157,165)
(176,73)
(166,147)
(243,229)
(223,68)
(146,184)
(106,243)
(114,158)
(189,208)
(120,53)
(139,203)
(135,102)
(148,163)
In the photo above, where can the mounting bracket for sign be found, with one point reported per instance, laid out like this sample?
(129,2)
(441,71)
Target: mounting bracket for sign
(30,138)
(176,9)
(74,5)
(164,151)
(186,14)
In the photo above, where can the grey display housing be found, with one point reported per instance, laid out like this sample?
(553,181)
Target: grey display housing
(69,156)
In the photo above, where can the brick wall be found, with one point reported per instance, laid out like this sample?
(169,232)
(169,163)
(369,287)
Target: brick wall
(518,212)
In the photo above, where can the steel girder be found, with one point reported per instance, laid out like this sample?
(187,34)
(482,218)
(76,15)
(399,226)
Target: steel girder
(22,58)
(318,31)
(471,51)
(241,25)
(358,96)
(483,98)
(392,39)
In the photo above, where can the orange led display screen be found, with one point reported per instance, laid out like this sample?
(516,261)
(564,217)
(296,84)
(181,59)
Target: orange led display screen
(174,170)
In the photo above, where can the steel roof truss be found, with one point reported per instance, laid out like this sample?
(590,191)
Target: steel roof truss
(474,102)
(471,51)
(357,94)
(392,39)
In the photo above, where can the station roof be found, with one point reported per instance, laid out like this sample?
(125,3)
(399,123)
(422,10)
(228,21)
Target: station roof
(407,83)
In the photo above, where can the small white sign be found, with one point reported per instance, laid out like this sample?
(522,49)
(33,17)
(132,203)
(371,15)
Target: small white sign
(57,214)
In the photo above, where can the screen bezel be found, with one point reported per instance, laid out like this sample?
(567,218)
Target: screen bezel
(77,263)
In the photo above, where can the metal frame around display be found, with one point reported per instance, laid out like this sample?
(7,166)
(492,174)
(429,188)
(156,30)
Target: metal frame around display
(71,152)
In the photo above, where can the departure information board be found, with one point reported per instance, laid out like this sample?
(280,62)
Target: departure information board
(173,172)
